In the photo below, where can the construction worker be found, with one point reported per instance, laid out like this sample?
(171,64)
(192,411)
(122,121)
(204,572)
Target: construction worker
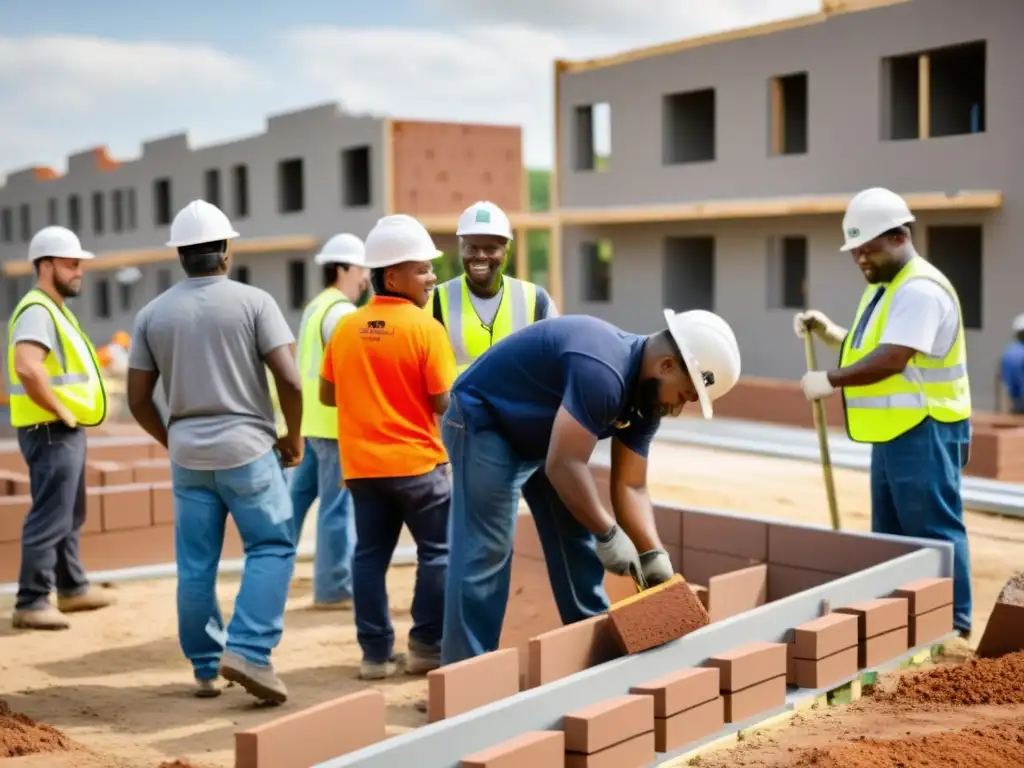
(55,389)
(210,340)
(484,305)
(388,369)
(903,378)
(319,474)
(1012,367)
(541,399)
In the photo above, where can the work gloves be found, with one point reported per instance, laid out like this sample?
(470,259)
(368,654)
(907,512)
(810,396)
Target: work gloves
(656,567)
(820,325)
(618,554)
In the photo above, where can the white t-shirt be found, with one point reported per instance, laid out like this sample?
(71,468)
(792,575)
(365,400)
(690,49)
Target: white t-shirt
(923,317)
(331,318)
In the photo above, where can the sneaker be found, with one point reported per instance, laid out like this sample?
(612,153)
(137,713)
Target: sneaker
(258,680)
(92,599)
(45,618)
(422,658)
(965,634)
(334,605)
(379,670)
(206,689)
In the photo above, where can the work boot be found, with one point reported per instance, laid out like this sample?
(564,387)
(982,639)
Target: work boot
(379,670)
(258,680)
(206,689)
(334,605)
(92,599)
(46,617)
(422,658)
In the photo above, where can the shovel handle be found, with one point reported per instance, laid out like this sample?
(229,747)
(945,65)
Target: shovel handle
(821,425)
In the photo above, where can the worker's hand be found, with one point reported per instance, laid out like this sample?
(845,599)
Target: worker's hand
(816,385)
(67,417)
(618,554)
(290,448)
(820,325)
(656,567)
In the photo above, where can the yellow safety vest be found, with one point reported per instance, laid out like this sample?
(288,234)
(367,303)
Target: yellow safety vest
(927,387)
(72,367)
(318,420)
(470,338)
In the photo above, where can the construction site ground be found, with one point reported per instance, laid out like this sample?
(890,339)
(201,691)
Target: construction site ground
(117,687)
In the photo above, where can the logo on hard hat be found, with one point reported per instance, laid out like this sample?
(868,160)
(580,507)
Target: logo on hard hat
(483,216)
(853,232)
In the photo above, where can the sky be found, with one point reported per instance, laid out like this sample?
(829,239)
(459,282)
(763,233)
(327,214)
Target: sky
(76,74)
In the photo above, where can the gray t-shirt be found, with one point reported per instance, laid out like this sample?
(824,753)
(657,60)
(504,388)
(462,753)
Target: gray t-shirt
(36,324)
(208,338)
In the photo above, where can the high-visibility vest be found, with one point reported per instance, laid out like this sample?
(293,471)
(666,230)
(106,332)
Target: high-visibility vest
(881,412)
(72,367)
(470,338)
(318,420)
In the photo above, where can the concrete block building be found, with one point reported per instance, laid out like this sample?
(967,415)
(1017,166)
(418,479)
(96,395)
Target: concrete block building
(732,157)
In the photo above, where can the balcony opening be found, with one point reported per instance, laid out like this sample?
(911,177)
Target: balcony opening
(689,127)
(290,186)
(356,190)
(597,271)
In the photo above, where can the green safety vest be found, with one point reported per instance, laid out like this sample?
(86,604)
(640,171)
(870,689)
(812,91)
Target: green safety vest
(881,412)
(72,367)
(318,420)
(470,338)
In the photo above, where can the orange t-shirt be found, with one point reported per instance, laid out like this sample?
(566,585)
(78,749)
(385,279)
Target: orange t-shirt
(385,360)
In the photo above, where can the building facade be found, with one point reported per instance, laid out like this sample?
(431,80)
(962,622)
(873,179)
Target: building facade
(732,158)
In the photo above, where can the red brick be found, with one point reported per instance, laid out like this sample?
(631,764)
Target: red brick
(313,735)
(570,649)
(822,637)
(126,506)
(458,688)
(637,752)
(882,648)
(875,617)
(682,728)
(784,580)
(824,671)
(151,471)
(930,626)
(657,615)
(757,698)
(618,587)
(534,749)
(737,536)
(749,664)
(681,690)
(607,723)
(12,516)
(669,522)
(926,595)
(699,565)
(157,451)
(163,503)
(733,593)
(107,473)
(93,510)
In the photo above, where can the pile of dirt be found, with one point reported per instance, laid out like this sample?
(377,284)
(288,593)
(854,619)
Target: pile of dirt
(993,746)
(21,735)
(978,681)
(1013,592)
(176,764)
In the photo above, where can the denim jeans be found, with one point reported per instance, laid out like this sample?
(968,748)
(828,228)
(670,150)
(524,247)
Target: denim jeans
(55,456)
(382,505)
(256,497)
(487,476)
(319,475)
(915,491)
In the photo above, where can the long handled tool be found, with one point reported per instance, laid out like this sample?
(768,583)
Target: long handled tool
(822,426)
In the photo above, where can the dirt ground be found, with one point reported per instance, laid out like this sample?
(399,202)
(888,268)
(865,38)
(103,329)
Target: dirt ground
(116,683)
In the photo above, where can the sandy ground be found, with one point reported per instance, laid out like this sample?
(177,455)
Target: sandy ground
(117,682)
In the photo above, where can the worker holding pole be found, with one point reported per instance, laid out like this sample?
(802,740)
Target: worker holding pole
(903,378)
(55,389)
(210,340)
(540,399)
(319,475)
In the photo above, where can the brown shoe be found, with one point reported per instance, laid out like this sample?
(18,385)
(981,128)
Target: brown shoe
(48,618)
(92,599)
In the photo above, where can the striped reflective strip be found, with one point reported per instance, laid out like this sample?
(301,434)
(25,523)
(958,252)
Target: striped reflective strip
(879,402)
(935,375)
(453,292)
(63,380)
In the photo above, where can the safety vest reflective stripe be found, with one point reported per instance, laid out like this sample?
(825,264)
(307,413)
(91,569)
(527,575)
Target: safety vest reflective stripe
(55,381)
(318,420)
(518,304)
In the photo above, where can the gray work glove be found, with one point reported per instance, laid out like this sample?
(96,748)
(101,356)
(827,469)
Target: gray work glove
(656,567)
(618,554)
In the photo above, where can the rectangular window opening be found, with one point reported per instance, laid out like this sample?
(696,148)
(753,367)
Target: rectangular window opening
(789,114)
(688,126)
(355,175)
(593,137)
(689,273)
(597,271)
(958,253)
(290,186)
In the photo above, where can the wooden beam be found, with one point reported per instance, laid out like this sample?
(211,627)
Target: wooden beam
(388,130)
(924,101)
(446,224)
(522,252)
(555,287)
(778,116)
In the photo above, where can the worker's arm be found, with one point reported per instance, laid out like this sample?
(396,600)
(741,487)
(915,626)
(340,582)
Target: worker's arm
(141,385)
(327,396)
(567,469)
(28,365)
(631,502)
(281,362)
(888,360)
(276,345)
(439,368)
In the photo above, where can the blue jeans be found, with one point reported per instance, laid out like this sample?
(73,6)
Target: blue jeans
(487,476)
(915,491)
(382,505)
(256,497)
(319,475)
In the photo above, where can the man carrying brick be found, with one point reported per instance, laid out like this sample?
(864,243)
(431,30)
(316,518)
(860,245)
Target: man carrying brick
(542,398)
(55,389)
(210,340)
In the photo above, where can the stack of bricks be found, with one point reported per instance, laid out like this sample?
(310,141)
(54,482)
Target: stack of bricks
(930,609)
(533,749)
(752,679)
(881,629)
(615,733)
(688,706)
(823,652)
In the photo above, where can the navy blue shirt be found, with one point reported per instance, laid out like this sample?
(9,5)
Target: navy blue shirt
(1012,366)
(584,364)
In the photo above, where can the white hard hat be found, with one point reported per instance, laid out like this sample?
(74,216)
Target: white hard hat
(342,249)
(484,218)
(58,243)
(872,212)
(708,346)
(1018,324)
(396,239)
(200,222)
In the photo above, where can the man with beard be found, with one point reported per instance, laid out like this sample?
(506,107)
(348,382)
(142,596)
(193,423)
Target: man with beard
(540,400)
(55,390)
(903,377)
